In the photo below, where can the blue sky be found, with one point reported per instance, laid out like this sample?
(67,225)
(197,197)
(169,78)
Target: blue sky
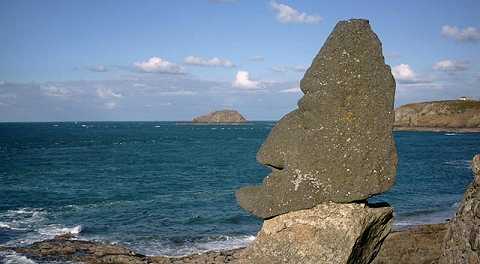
(172,60)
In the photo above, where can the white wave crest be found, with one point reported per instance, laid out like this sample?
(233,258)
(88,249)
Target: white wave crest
(225,242)
(22,219)
(461,164)
(14,258)
(218,243)
(56,230)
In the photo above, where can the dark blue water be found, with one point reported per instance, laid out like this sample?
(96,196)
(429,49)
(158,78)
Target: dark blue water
(167,188)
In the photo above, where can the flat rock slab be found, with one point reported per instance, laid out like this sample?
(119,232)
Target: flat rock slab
(328,233)
(338,145)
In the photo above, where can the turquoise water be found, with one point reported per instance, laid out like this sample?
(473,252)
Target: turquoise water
(164,188)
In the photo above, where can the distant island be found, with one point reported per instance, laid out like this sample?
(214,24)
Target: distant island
(462,115)
(223,116)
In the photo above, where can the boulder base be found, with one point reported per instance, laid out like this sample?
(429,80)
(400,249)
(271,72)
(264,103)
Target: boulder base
(328,233)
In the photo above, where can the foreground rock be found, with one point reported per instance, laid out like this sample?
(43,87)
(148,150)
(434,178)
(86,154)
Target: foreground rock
(419,245)
(338,145)
(328,233)
(224,116)
(64,250)
(452,115)
(462,241)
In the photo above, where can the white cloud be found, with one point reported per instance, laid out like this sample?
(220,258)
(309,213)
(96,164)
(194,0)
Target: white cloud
(55,91)
(288,14)
(158,65)
(403,72)
(242,80)
(213,62)
(108,93)
(450,66)
(466,34)
(291,90)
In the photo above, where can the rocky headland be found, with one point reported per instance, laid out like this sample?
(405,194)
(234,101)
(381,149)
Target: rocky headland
(442,116)
(222,117)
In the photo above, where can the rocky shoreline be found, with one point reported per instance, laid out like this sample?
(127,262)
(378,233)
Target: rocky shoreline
(453,242)
(417,244)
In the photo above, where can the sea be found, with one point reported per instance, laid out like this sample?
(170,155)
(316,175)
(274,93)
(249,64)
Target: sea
(167,188)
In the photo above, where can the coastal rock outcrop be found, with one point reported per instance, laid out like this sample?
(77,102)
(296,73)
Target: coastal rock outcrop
(442,115)
(68,249)
(420,244)
(223,116)
(462,241)
(338,145)
(328,233)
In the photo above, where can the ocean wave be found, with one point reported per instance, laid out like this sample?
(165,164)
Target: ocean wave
(423,218)
(22,219)
(56,230)
(189,247)
(10,257)
(33,225)
(461,164)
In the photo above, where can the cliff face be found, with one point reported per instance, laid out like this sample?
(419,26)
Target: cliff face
(224,116)
(439,114)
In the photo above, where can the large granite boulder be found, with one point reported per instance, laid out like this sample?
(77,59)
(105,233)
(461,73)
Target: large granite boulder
(338,145)
(462,241)
(328,233)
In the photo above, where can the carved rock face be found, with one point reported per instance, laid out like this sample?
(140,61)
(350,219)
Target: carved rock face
(338,145)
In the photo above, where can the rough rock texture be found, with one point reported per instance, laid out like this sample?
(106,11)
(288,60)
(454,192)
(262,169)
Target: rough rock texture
(338,145)
(462,241)
(63,249)
(328,233)
(418,245)
(213,257)
(224,116)
(439,114)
